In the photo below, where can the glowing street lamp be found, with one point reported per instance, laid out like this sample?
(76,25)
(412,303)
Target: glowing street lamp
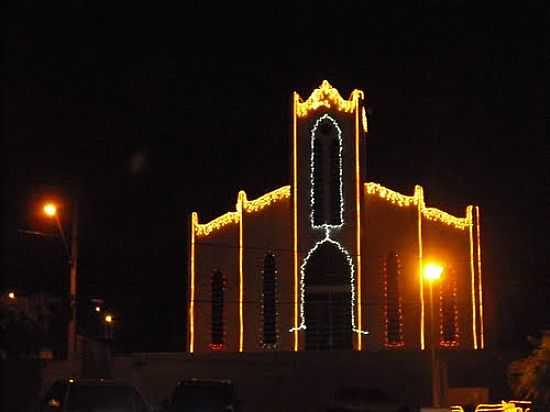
(432,273)
(51,211)
(108,326)
(11,295)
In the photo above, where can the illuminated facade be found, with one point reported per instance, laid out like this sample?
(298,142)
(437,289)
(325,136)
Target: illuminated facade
(332,262)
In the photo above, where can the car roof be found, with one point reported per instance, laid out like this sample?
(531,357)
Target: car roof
(204,381)
(95,381)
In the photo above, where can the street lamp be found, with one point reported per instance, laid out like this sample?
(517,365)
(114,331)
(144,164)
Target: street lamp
(50,210)
(432,273)
(108,326)
(11,295)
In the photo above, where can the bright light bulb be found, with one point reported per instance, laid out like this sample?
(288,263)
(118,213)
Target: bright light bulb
(108,319)
(11,295)
(432,271)
(50,209)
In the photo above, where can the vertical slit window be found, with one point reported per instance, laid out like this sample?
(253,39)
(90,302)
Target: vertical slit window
(269,301)
(392,302)
(318,184)
(326,174)
(217,327)
(448,308)
(334,189)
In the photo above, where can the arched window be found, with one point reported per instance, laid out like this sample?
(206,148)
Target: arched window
(326,173)
(328,298)
(392,302)
(448,308)
(269,301)
(217,327)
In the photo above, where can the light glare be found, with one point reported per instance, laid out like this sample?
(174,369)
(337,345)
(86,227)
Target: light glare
(432,271)
(50,209)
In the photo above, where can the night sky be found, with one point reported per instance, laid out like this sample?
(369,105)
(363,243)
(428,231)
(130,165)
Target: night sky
(147,114)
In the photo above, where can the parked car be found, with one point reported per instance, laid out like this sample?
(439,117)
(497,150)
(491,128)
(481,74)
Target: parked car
(204,395)
(93,395)
(358,399)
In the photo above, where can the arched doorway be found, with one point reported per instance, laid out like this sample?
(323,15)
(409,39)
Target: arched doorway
(327,298)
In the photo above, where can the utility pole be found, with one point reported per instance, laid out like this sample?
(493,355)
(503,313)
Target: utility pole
(73,261)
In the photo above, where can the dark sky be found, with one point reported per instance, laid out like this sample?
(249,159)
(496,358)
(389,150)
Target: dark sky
(147,114)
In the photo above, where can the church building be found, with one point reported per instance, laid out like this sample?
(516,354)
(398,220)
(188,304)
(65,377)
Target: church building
(333,261)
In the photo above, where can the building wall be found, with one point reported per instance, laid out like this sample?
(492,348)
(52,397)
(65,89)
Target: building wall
(389,227)
(376,221)
(267,231)
(218,250)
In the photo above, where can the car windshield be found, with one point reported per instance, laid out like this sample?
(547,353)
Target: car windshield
(101,398)
(207,397)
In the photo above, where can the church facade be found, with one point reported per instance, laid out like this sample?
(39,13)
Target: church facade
(332,261)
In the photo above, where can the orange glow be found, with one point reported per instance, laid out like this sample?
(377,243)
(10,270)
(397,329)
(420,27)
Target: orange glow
(11,295)
(295,217)
(326,96)
(472,280)
(482,333)
(241,200)
(433,271)
(194,219)
(50,209)
(109,318)
(358,222)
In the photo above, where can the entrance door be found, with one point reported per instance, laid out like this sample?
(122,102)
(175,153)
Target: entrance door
(327,302)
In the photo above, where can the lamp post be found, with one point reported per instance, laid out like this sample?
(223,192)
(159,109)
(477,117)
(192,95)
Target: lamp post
(432,272)
(50,209)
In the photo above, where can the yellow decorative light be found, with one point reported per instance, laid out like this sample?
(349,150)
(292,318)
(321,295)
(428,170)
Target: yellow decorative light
(328,97)
(418,193)
(430,213)
(204,229)
(437,215)
(295,215)
(364,120)
(472,274)
(267,199)
(240,203)
(494,407)
(194,223)
(358,218)
(480,286)
(390,195)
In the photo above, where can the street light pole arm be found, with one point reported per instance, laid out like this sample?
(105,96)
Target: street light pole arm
(62,234)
